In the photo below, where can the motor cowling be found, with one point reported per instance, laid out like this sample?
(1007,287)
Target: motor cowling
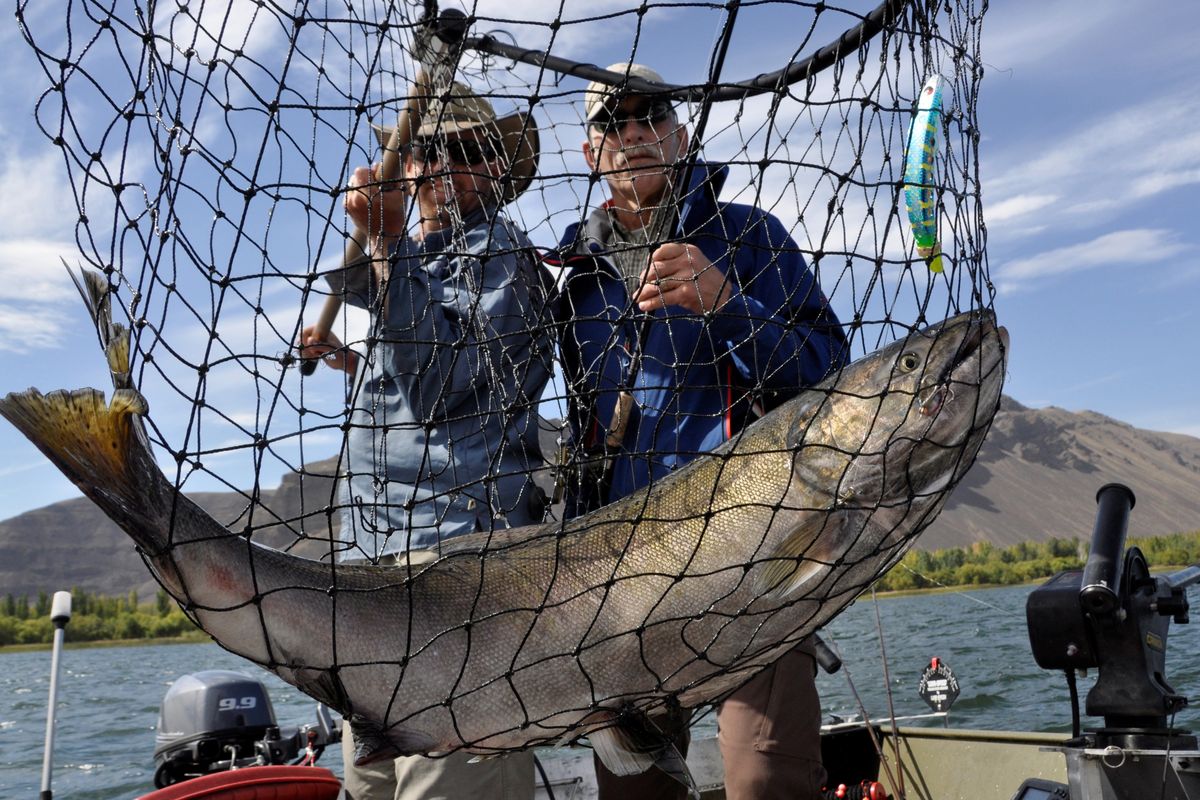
(215,720)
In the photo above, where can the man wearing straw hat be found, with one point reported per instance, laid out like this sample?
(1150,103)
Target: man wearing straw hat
(688,318)
(443,433)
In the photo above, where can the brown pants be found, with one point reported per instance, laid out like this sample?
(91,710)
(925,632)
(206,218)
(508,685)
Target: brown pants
(769,732)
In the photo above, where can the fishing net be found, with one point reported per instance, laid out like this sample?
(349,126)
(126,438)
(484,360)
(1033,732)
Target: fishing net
(209,146)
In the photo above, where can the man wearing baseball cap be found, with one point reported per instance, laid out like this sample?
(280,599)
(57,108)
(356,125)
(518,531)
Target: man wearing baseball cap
(442,437)
(717,319)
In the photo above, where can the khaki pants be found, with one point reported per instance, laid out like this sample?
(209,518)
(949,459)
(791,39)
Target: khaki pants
(769,732)
(507,777)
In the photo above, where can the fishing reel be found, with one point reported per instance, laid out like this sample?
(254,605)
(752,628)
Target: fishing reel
(1113,616)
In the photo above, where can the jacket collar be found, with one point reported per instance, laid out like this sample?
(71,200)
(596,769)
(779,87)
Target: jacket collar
(699,205)
(440,239)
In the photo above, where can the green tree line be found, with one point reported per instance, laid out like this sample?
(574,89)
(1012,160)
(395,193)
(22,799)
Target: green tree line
(983,563)
(25,620)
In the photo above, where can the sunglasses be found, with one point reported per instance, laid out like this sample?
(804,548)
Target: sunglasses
(650,112)
(464,152)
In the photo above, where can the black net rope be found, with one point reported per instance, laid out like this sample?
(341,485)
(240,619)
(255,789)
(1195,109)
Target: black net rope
(209,146)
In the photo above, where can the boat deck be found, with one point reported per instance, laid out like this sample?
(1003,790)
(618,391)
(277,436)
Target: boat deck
(934,763)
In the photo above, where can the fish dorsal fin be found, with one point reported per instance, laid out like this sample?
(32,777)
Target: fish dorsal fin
(635,744)
(791,565)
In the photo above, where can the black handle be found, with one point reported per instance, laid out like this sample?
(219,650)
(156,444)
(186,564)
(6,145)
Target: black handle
(1102,573)
(826,657)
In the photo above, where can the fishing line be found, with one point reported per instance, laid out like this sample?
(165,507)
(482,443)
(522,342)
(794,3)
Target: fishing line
(961,593)
(887,682)
(884,762)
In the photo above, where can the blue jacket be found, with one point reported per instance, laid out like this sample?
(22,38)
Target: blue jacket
(700,379)
(443,431)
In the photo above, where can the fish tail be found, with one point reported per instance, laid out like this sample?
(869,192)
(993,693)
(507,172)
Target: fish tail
(102,449)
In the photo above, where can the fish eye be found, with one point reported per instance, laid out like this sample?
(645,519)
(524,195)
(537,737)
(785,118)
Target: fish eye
(909,361)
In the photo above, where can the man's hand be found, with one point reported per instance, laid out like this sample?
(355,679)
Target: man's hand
(376,207)
(681,275)
(330,350)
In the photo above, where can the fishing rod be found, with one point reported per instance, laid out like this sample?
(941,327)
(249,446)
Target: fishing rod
(60,615)
(434,34)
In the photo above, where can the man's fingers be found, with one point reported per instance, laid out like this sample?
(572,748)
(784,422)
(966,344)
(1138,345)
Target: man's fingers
(659,271)
(668,250)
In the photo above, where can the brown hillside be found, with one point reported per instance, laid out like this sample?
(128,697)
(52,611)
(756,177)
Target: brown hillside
(1036,478)
(1039,470)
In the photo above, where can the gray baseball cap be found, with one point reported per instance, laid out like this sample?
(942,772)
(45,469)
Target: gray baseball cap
(597,95)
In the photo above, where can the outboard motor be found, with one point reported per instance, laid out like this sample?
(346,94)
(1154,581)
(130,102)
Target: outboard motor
(219,720)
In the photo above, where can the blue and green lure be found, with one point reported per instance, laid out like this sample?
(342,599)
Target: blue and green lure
(919,194)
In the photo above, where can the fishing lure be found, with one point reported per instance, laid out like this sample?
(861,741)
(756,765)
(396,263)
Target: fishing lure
(919,194)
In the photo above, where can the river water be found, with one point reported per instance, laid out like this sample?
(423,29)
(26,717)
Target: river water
(109,697)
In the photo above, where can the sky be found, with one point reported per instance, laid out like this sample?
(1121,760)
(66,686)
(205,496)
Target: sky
(1090,164)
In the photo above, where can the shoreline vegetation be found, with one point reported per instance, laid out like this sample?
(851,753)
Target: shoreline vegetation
(984,564)
(98,621)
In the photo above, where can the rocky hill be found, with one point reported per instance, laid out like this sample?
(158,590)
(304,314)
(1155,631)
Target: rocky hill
(1036,478)
(1037,475)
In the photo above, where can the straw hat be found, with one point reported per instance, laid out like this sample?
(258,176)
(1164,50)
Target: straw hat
(597,94)
(461,110)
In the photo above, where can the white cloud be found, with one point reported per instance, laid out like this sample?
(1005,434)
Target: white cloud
(218,29)
(1164,180)
(31,270)
(35,196)
(1017,206)
(1128,154)
(1133,247)
(16,469)
(1018,38)
(528,20)
(25,328)
(1111,171)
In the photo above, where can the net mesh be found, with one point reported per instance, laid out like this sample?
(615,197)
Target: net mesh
(209,147)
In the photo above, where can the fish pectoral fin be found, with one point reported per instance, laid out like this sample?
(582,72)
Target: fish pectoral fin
(791,565)
(672,762)
(631,748)
(479,758)
(321,685)
(371,742)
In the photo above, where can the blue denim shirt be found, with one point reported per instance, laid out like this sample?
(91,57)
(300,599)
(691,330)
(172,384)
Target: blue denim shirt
(443,431)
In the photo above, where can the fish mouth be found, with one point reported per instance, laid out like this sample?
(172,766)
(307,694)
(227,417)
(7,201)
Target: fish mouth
(973,364)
